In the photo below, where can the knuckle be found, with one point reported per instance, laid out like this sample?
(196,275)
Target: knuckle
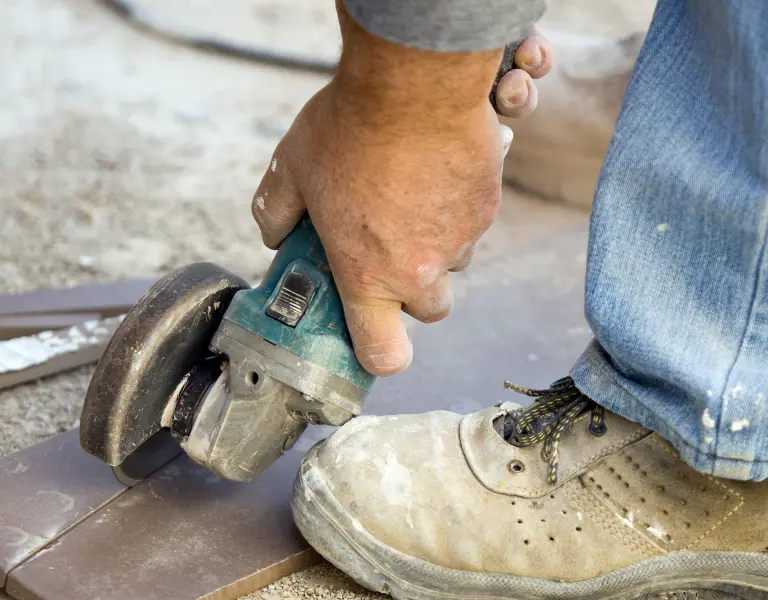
(384,364)
(436,315)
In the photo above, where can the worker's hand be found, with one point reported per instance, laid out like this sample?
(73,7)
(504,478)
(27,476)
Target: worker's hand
(398,161)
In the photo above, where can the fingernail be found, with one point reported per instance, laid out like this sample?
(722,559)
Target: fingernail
(518,95)
(506,138)
(535,60)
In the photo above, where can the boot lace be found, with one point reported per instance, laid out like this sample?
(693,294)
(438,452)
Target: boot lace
(551,415)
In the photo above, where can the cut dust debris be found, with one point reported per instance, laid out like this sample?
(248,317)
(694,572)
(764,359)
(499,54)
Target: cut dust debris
(22,353)
(322,581)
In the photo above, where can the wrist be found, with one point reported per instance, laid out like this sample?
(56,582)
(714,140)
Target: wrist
(384,84)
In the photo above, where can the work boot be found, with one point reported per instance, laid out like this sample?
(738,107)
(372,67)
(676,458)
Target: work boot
(560,500)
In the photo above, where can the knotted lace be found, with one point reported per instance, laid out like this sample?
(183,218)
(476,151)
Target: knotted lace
(546,420)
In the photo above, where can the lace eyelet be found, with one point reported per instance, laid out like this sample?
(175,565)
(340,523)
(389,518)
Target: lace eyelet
(597,429)
(515,467)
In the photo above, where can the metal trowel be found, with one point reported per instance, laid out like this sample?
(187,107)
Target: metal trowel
(229,374)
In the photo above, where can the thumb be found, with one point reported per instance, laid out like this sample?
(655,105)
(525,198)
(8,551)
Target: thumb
(378,334)
(277,204)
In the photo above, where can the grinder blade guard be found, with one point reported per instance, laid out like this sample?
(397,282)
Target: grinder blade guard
(230,374)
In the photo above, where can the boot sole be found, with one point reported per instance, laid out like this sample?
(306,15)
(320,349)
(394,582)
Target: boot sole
(339,537)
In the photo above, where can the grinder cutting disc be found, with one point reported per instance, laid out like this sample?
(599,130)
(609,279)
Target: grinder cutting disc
(156,345)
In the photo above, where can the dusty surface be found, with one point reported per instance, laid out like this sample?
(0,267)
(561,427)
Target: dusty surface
(124,156)
(322,581)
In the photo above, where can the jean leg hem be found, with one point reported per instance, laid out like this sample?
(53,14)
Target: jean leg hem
(597,378)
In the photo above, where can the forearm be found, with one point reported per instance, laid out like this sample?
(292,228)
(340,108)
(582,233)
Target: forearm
(447,25)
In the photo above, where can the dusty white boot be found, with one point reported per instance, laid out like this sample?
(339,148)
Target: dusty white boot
(563,500)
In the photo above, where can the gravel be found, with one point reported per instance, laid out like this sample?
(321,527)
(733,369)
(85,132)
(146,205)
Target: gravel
(322,581)
(36,411)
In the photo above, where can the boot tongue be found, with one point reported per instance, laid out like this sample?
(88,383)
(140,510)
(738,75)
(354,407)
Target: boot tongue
(506,425)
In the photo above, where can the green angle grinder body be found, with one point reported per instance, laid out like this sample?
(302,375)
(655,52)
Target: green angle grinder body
(229,374)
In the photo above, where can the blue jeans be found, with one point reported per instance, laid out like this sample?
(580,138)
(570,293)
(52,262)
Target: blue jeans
(677,277)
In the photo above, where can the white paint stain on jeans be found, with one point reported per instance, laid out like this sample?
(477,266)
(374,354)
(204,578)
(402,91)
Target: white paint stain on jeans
(739,425)
(707,420)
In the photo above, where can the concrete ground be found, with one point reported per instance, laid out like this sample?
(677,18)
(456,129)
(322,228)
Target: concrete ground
(124,156)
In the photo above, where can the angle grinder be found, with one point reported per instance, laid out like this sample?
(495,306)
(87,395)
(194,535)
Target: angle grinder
(228,374)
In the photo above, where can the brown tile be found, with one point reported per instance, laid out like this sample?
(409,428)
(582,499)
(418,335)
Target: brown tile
(106,299)
(183,533)
(45,490)
(12,326)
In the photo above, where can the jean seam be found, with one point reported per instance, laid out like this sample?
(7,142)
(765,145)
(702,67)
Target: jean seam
(758,277)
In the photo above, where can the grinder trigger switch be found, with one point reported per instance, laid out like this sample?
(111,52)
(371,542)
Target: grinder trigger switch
(294,293)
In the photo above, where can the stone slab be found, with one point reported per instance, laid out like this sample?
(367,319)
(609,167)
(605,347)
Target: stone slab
(44,491)
(106,299)
(185,534)
(181,534)
(12,326)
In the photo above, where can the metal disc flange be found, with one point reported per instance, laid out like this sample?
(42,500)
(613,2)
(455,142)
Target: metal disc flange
(156,345)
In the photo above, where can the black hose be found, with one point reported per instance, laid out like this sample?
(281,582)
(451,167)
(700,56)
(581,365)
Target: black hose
(141,19)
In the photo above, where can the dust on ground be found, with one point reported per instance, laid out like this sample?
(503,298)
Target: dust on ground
(321,581)
(124,156)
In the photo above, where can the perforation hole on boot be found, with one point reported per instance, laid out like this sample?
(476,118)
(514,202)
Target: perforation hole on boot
(654,505)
